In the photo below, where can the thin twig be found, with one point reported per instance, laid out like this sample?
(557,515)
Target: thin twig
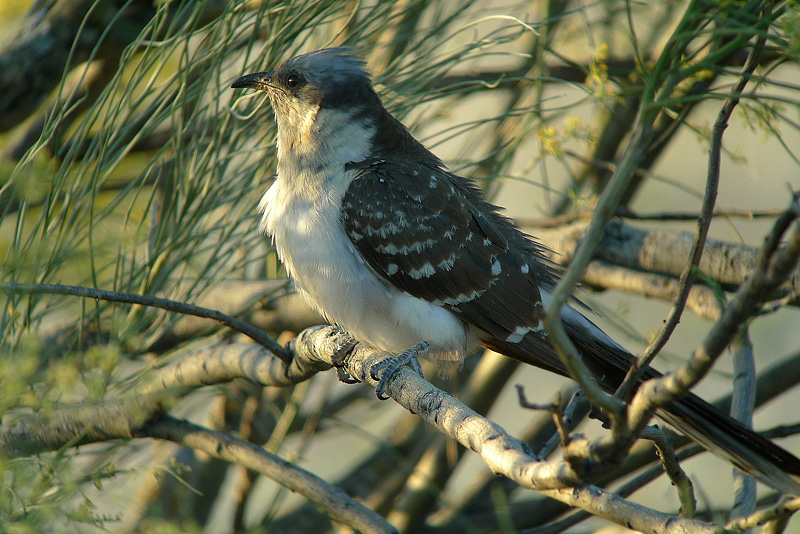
(624,212)
(154,302)
(773,266)
(613,407)
(703,225)
(671,216)
(673,470)
(568,422)
(778,511)
(742,404)
(556,412)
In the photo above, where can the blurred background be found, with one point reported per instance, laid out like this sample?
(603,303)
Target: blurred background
(127,164)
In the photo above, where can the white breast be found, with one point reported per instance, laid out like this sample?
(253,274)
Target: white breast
(330,272)
(302,214)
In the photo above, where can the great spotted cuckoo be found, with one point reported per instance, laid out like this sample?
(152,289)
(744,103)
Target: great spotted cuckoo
(388,244)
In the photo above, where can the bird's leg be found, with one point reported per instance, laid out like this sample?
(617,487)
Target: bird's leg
(344,349)
(385,369)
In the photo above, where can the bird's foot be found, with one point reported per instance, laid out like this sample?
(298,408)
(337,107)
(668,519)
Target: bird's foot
(384,370)
(344,349)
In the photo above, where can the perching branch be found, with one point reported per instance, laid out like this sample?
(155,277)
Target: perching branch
(313,351)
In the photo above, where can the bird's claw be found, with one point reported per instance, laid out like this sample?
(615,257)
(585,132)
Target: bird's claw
(344,349)
(384,370)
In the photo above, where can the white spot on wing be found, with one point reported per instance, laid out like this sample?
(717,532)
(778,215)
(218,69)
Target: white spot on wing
(521,331)
(525,268)
(426,271)
(387,229)
(417,246)
(392,269)
(447,263)
(496,267)
(461,299)
(388,248)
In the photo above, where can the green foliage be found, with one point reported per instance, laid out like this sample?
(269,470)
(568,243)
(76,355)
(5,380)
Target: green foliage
(153,188)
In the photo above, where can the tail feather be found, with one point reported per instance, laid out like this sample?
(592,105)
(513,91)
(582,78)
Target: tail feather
(691,415)
(729,439)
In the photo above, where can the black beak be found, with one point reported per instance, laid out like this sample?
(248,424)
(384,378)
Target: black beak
(257,80)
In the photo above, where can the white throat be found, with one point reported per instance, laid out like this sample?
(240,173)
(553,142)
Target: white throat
(313,148)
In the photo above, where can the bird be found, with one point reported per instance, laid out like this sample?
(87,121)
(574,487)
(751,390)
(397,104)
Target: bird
(407,257)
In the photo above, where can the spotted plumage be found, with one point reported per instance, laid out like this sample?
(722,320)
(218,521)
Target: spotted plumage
(387,243)
(432,235)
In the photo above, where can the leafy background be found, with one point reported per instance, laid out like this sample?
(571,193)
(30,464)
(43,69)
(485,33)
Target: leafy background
(141,171)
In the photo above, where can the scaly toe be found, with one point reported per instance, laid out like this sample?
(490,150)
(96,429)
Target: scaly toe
(384,370)
(344,350)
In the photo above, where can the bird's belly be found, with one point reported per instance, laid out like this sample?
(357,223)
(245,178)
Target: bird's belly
(331,274)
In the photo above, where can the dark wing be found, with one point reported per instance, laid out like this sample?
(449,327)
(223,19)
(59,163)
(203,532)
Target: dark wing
(430,234)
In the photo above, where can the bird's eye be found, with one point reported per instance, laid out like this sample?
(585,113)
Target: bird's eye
(294,81)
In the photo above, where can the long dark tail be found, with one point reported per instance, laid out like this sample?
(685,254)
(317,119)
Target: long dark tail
(691,415)
(729,439)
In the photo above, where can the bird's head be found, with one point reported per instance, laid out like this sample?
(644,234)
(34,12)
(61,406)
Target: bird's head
(328,78)
(305,88)
(326,109)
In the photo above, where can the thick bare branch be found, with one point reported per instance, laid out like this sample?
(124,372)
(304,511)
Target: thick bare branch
(661,252)
(78,425)
(702,300)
